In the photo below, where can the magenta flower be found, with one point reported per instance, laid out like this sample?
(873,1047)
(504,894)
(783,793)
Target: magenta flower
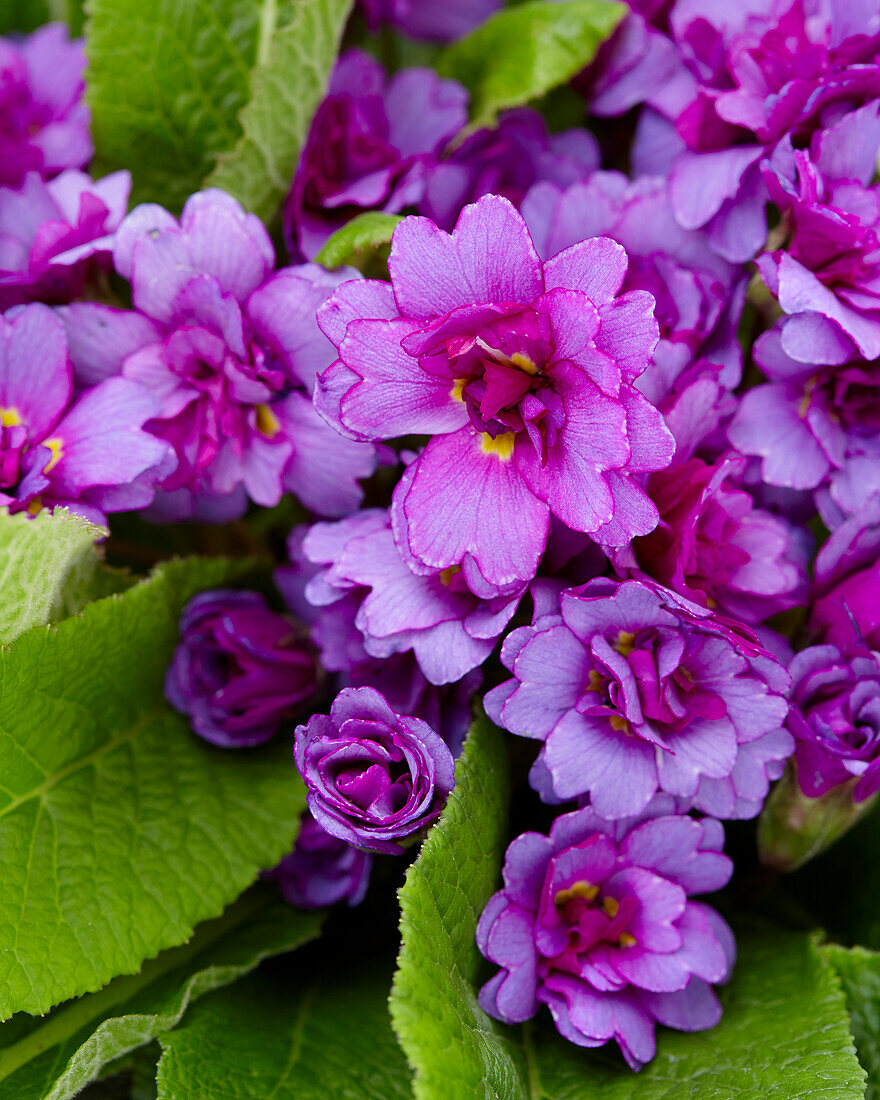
(596,921)
(846,607)
(369,148)
(239,669)
(426,18)
(374,778)
(52,234)
(506,160)
(44,124)
(633,689)
(322,870)
(522,372)
(87,450)
(835,718)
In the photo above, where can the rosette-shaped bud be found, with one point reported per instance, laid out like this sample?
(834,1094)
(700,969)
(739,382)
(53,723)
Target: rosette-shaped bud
(51,234)
(596,922)
(239,669)
(44,124)
(374,778)
(522,372)
(633,689)
(322,870)
(371,143)
(835,718)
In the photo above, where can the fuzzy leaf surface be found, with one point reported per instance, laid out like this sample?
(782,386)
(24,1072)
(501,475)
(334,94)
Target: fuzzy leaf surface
(859,973)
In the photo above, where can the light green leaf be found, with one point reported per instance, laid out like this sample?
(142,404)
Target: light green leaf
(522,52)
(453,1046)
(357,241)
(55,1057)
(859,973)
(289,1037)
(294,60)
(119,829)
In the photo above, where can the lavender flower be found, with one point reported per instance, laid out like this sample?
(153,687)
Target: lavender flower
(374,778)
(596,922)
(370,145)
(523,373)
(44,125)
(87,450)
(322,870)
(239,669)
(633,689)
(426,18)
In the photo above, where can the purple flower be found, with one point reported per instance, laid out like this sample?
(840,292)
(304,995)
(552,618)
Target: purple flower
(322,870)
(596,922)
(633,689)
(522,372)
(506,160)
(428,19)
(52,233)
(374,778)
(87,449)
(239,669)
(835,718)
(231,351)
(846,608)
(44,125)
(369,147)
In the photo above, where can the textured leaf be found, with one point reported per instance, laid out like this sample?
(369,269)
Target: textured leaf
(354,242)
(453,1046)
(310,1037)
(55,1057)
(119,829)
(47,566)
(287,84)
(859,973)
(522,52)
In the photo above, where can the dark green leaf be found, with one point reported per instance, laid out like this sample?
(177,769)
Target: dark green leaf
(859,973)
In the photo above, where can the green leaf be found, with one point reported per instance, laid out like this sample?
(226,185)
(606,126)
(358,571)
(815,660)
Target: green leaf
(303,1038)
(453,1046)
(859,973)
(119,829)
(49,568)
(287,84)
(355,242)
(55,1057)
(522,52)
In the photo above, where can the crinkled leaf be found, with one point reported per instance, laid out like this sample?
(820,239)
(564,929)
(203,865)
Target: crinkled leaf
(859,973)
(119,829)
(522,52)
(357,242)
(289,80)
(289,1036)
(53,1058)
(454,1048)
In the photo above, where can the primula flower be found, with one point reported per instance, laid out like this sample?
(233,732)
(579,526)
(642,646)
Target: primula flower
(44,124)
(373,777)
(426,18)
(835,718)
(596,922)
(87,450)
(506,160)
(322,870)
(633,689)
(52,233)
(231,350)
(370,145)
(522,372)
(239,669)
(846,607)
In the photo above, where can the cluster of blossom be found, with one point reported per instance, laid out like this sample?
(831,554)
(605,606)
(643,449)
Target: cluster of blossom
(552,379)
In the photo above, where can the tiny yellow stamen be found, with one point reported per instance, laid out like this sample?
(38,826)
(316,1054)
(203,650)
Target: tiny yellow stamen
(446,575)
(610,905)
(625,643)
(54,446)
(626,940)
(807,399)
(619,724)
(10,418)
(501,445)
(581,889)
(524,363)
(268,423)
(457,390)
(35,505)
(595,683)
